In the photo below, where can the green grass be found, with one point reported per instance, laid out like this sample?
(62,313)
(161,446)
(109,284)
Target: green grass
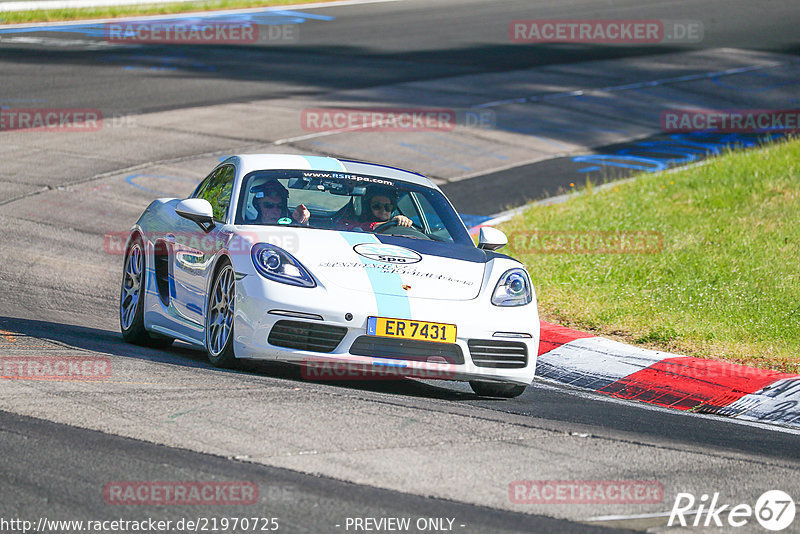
(725,285)
(108,12)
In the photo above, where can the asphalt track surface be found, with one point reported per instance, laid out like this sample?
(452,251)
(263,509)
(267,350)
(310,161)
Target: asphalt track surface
(299,503)
(366,45)
(548,433)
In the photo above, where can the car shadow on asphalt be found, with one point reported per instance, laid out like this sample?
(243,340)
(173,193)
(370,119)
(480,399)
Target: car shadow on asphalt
(35,338)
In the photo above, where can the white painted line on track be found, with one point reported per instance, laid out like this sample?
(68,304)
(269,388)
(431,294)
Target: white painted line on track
(566,94)
(631,86)
(505,216)
(639,522)
(513,165)
(596,396)
(97,3)
(656,515)
(75,4)
(52,41)
(326,133)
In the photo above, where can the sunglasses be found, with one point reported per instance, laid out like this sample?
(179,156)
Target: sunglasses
(268,205)
(386,207)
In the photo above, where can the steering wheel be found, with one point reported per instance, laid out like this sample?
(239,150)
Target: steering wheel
(411,231)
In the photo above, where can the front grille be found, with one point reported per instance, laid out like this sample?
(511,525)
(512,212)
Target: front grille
(306,336)
(498,354)
(406,349)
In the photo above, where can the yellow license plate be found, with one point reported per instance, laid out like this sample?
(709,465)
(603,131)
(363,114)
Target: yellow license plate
(408,329)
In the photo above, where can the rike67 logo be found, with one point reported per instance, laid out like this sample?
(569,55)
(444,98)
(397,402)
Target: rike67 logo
(774,510)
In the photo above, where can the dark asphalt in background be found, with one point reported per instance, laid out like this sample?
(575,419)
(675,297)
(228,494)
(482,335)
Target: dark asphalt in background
(366,45)
(552,406)
(544,405)
(498,191)
(58,470)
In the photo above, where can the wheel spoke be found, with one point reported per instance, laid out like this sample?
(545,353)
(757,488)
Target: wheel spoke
(220,311)
(131,285)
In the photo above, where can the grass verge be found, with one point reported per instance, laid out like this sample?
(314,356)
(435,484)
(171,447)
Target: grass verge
(111,12)
(714,272)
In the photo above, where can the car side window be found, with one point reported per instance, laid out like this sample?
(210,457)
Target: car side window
(432,223)
(217,189)
(405,206)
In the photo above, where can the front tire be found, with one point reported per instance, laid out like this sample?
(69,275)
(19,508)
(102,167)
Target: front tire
(219,317)
(131,300)
(497,389)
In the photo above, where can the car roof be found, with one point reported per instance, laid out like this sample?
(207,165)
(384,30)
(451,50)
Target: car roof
(257,162)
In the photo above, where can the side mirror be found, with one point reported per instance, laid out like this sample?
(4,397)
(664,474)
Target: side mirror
(491,238)
(198,210)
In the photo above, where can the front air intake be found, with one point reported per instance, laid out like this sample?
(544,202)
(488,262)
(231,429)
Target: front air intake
(306,336)
(498,354)
(407,349)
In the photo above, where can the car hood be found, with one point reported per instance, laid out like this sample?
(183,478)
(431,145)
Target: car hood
(386,265)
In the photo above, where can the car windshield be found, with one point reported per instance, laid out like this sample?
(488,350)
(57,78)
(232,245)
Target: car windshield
(348,202)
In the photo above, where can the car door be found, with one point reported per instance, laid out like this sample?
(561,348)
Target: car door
(194,249)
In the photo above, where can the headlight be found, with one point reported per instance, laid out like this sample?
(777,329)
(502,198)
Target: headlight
(276,264)
(513,289)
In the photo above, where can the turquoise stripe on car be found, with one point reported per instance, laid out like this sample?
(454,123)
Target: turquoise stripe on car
(320,163)
(390,297)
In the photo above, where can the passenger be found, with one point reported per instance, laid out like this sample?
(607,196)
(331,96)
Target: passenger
(377,206)
(271,203)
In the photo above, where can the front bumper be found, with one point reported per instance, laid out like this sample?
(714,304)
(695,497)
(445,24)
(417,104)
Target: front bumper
(261,304)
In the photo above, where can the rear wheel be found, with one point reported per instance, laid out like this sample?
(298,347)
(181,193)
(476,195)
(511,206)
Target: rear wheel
(219,318)
(131,300)
(497,389)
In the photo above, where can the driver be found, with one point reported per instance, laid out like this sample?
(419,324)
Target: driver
(271,203)
(378,203)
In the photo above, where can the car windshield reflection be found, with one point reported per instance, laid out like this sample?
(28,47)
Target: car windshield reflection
(348,202)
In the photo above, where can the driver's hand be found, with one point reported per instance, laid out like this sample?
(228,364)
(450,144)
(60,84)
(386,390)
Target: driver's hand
(301,214)
(402,220)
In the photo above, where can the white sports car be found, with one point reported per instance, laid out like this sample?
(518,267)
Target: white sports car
(321,261)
